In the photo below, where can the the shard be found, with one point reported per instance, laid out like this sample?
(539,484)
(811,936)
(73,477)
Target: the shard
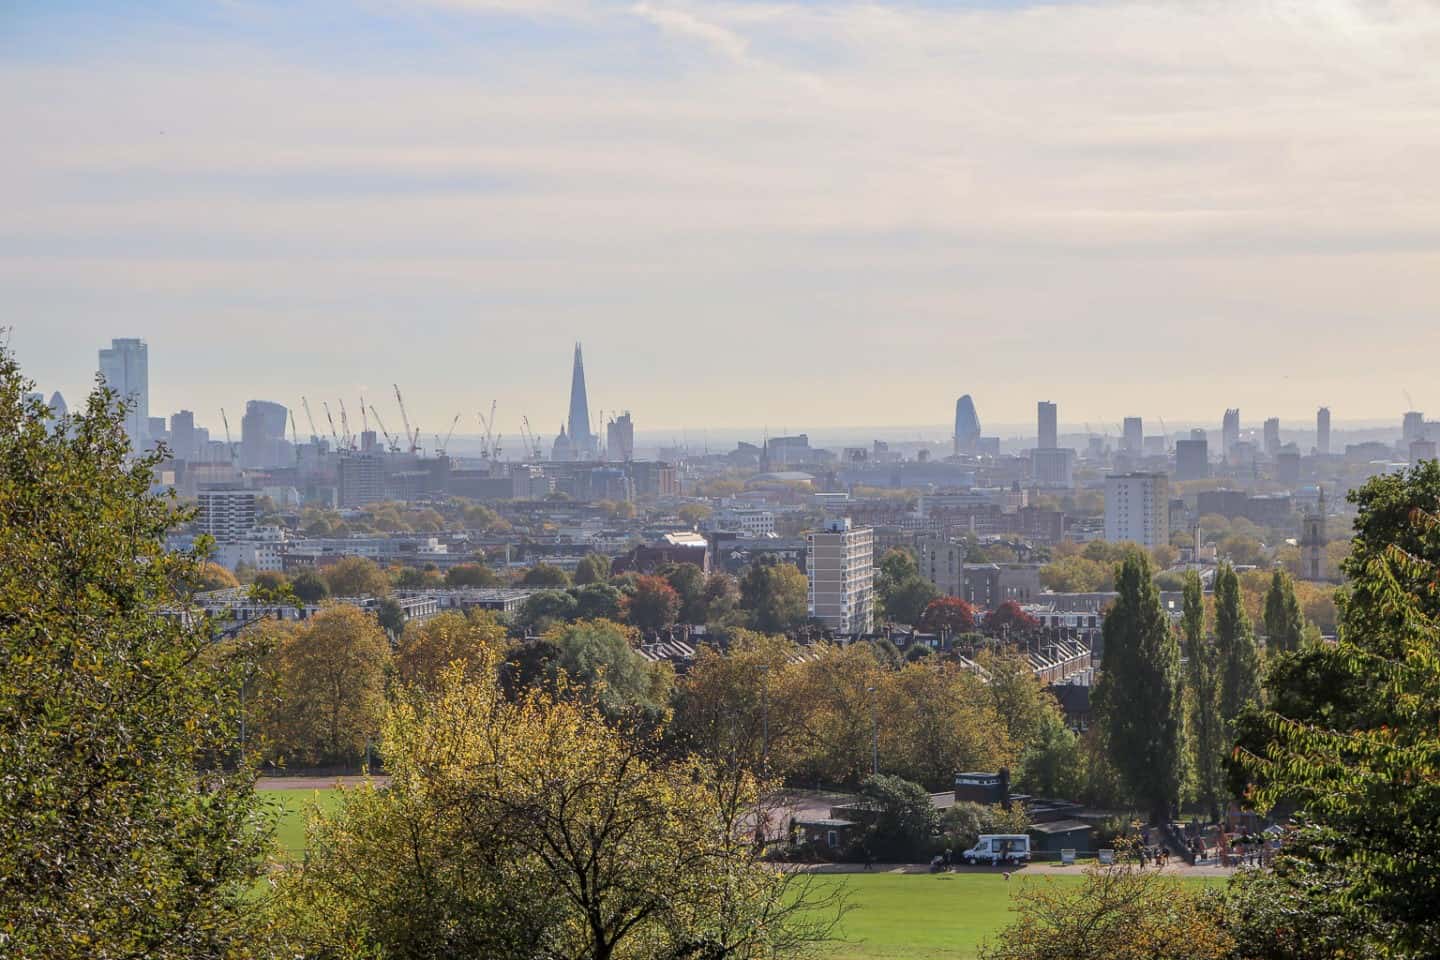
(583,443)
(967,426)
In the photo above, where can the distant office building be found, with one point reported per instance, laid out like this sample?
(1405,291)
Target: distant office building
(262,431)
(361,479)
(620,438)
(784,451)
(1133,441)
(1192,459)
(967,426)
(1422,450)
(1137,508)
(839,562)
(1287,465)
(1049,434)
(1272,437)
(1054,466)
(58,409)
(125,365)
(1229,432)
(749,521)
(1322,431)
(1413,426)
(228,515)
(182,435)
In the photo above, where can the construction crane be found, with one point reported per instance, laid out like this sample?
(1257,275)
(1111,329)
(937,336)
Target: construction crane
(527,435)
(294,434)
(390,441)
(364,420)
(412,438)
(442,448)
(314,434)
(325,405)
(345,426)
(228,444)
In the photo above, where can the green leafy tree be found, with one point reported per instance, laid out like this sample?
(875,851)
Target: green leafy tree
(1138,693)
(331,687)
(1239,657)
(1204,724)
(471,575)
(126,829)
(905,601)
(1051,765)
(592,568)
(1352,735)
(901,818)
(545,575)
(597,601)
(356,577)
(270,586)
(688,581)
(777,596)
(600,656)
(545,608)
(1284,623)
(309,586)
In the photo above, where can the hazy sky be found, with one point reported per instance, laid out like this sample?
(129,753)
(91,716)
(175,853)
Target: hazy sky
(810,213)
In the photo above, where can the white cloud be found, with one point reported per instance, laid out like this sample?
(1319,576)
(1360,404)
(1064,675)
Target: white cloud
(1094,178)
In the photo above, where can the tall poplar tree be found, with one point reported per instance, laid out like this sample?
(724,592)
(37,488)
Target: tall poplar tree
(1138,694)
(1206,731)
(1284,623)
(1239,657)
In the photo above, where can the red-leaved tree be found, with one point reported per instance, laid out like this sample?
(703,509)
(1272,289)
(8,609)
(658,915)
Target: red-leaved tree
(1009,619)
(947,616)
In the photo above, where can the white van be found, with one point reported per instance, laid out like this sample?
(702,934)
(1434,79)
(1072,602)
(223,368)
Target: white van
(997,848)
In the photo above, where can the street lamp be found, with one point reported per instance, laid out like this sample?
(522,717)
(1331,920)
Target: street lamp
(875,734)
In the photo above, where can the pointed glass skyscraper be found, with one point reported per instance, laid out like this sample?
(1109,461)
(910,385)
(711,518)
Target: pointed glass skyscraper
(583,443)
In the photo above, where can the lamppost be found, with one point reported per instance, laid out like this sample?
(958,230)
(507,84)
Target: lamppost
(875,734)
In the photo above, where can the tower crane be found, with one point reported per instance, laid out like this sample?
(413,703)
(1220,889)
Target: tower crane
(345,426)
(364,420)
(390,441)
(325,405)
(413,439)
(228,444)
(314,434)
(527,435)
(442,448)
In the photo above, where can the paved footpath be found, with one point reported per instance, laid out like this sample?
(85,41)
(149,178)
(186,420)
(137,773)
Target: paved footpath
(315,783)
(1034,869)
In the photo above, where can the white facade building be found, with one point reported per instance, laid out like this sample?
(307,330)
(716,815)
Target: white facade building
(1137,508)
(126,369)
(750,522)
(227,515)
(840,560)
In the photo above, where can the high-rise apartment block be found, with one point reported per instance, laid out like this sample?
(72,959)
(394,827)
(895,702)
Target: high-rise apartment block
(1137,508)
(840,560)
(1049,434)
(226,514)
(125,365)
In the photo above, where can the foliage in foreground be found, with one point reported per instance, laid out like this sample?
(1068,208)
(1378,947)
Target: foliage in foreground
(1120,912)
(1352,739)
(538,829)
(122,834)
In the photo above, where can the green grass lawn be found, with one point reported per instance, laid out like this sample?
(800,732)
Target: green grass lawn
(919,917)
(891,916)
(294,804)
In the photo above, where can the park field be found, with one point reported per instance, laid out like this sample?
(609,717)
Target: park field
(891,916)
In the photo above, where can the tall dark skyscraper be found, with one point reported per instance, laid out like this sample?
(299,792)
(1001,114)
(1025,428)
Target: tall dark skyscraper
(967,425)
(1322,430)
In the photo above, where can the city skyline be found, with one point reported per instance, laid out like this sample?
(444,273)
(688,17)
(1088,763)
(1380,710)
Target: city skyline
(447,194)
